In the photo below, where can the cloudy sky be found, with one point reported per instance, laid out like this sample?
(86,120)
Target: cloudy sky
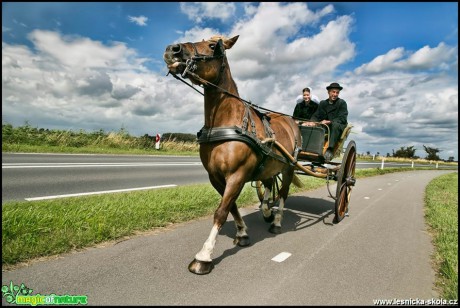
(94,66)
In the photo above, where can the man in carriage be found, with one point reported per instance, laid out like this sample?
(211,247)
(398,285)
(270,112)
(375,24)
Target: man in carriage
(332,112)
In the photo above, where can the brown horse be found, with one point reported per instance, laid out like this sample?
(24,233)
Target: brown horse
(238,144)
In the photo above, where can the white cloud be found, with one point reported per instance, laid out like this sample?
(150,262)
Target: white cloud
(426,58)
(79,52)
(139,20)
(400,98)
(198,11)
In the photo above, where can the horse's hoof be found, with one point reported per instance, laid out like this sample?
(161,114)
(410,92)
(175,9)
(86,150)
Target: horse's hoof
(270,218)
(242,241)
(200,267)
(274,229)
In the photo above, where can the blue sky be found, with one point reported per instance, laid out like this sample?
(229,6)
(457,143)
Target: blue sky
(99,65)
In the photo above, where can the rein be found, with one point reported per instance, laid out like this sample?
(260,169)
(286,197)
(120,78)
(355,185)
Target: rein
(223,91)
(213,134)
(190,67)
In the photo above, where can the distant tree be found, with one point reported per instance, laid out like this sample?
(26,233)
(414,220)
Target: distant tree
(432,153)
(388,154)
(451,158)
(368,152)
(408,152)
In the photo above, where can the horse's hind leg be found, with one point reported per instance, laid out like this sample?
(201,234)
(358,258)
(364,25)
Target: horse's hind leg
(266,211)
(275,227)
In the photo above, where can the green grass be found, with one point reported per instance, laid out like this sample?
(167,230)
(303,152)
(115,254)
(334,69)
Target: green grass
(42,228)
(442,215)
(166,149)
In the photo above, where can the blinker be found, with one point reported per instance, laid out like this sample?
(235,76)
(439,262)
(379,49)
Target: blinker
(219,50)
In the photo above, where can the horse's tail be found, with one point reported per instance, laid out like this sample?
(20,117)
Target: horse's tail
(296,181)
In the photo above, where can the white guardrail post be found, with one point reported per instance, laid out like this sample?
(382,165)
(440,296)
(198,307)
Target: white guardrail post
(412,164)
(383,159)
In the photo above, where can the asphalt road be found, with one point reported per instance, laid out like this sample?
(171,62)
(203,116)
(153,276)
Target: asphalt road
(35,176)
(26,176)
(381,251)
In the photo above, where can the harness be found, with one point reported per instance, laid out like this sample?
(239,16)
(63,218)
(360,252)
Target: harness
(262,148)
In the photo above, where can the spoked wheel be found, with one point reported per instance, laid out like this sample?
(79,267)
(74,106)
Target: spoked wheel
(275,190)
(345,181)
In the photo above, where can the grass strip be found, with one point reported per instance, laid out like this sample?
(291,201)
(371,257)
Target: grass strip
(441,213)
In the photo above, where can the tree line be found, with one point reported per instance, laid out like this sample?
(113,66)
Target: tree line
(409,152)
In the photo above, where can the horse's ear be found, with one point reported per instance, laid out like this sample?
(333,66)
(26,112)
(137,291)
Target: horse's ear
(230,42)
(219,50)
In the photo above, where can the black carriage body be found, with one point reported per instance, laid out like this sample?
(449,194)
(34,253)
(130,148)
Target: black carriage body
(312,139)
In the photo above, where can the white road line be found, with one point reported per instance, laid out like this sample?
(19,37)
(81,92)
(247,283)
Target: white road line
(281,256)
(98,192)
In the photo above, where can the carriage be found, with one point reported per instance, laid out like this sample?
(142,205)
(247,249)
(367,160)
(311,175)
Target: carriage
(239,144)
(310,161)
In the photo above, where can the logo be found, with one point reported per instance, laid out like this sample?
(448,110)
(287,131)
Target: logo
(21,295)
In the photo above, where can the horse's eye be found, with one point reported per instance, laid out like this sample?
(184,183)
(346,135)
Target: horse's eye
(212,46)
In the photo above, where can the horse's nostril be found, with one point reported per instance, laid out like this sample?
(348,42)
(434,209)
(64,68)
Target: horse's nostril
(176,48)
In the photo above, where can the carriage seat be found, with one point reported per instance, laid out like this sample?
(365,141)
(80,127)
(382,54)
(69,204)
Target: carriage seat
(315,142)
(312,139)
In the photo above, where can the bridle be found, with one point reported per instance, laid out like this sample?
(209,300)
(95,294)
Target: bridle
(191,64)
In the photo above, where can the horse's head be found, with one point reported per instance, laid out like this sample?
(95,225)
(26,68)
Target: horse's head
(201,60)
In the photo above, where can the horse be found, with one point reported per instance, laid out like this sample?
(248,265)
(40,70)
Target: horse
(238,143)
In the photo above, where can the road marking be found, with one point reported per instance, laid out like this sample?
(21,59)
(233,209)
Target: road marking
(281,257)
(98,192)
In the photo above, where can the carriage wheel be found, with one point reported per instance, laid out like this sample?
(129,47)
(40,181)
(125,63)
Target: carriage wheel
(345,181)
(277,184)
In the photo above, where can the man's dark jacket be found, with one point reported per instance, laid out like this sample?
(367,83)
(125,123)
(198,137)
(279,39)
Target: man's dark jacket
(337,112)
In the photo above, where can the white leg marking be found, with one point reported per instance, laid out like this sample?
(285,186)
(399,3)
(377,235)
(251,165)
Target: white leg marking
(208,247)
(279,213)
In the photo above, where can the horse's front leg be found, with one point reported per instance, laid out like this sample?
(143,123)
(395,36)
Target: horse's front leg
(242,237)
(202,264)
